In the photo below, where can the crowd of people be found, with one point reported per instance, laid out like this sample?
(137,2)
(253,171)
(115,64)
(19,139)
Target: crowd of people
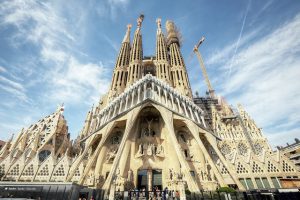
(155,194)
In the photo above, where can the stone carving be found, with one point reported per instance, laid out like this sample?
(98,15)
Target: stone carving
(258,149)
(100,181)
(111,154)
(147,131)
(141,149)
(225,149)
(171,174)
(174,176)
(242,148)
(114,93)
(150,149)
(160,151)
(115,140)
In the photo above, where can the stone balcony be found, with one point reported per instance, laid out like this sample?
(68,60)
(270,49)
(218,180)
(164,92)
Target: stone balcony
(149,88)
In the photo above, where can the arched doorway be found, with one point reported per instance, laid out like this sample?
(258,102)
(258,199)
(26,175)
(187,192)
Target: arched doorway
(149,179)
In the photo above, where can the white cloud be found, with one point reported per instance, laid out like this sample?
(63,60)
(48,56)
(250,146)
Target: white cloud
(13,88)
(68,79)
(2,69)
(78,81)
(111,8)
(15,93)
(222,56)
(277,138)
(265,78)
(56,73)
(11,83)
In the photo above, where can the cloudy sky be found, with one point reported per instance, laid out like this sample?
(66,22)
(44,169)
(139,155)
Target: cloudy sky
(55,52)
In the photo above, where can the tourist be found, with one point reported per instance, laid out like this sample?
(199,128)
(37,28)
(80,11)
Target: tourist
(173,194)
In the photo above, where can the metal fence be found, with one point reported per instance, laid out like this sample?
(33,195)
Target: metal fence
(208,195)
(145,195)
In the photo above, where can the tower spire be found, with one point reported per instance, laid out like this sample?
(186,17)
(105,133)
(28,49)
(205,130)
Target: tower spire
(140,21)
(178,69)
(136,55)
(127,35)
(162,63)
(158,22)
(120,72)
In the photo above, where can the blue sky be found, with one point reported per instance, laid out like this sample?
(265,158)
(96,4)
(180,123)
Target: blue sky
(55,52)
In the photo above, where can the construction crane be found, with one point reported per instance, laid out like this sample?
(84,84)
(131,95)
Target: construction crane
(202,66)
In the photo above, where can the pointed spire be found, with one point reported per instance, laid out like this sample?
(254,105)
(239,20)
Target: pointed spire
(127,35)
(172,35)
(135,69)
(158,22)
(178,69)
(60,108)
(12,136)
(119,78)
(139,21)
(162,63)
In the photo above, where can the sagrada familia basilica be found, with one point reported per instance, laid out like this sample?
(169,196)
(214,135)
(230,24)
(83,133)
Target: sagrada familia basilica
(149,131)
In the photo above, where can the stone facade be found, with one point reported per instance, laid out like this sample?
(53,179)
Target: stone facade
(149,131)
(292,151)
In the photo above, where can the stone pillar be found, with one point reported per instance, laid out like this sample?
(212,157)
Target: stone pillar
(184,106)
(181,190)
(112,192)
(149,177)
(168,119)
(100,161)
(172,99)
(124,158)
(197,115)
(194,130)
(132,98)
(131,118)
(231,171)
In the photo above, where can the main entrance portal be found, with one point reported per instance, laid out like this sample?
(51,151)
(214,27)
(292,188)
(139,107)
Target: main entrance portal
(149,179)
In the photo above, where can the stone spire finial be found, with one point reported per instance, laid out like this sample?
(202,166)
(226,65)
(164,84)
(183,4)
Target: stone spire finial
(158,22)
(140,20)
(127,35)
(60,108)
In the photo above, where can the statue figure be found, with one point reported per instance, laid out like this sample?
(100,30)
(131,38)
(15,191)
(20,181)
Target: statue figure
(209,176)
(114,93)
(205,176)
(160,150)
(153,149)
(144,132)
(149,150)
(170,174)
(140,151)
(111,155)
(149,126)
(202,176)
(118,171)
(130,175)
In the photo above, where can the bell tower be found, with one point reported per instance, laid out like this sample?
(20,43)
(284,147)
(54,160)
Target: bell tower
(162,63)
(178,70)
(136,55)
(119,79)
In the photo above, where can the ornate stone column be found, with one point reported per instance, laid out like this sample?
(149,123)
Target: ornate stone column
(149,177)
